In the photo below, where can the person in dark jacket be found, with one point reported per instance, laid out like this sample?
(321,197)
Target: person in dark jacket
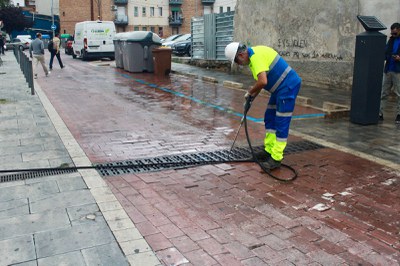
(391,76)
(2,43)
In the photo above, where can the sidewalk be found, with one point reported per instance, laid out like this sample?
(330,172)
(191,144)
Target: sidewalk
(67,219)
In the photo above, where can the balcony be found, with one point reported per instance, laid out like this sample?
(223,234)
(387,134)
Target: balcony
(207,2)
(175,22)
(175,2)
(120,2)
(121,20)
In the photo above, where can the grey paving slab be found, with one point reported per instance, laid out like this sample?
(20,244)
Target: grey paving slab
(77,237)
(68,259)
(109,254)
(33,223)
(39,203)
(26,263)
(29,190)
(70,183)
(18,249)
(84,213)
(14,208)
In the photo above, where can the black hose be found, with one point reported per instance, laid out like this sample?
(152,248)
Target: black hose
(247,106)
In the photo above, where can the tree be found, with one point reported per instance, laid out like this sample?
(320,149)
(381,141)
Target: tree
(13,19)
(4,3)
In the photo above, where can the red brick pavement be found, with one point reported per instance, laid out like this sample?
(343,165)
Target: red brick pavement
(226,214)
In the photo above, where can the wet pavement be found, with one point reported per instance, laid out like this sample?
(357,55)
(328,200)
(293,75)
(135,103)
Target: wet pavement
(342,209)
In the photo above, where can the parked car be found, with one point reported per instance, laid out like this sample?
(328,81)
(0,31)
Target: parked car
(22,42)
(182,47)
(171,38)
(68,46)
(184,37)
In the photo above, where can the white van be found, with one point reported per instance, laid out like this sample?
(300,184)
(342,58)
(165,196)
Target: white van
(94,39)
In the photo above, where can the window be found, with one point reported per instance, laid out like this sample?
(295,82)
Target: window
(228,9)
(160,31)
(136,11)
(221,9)
(136,28)
(151,11)
(143,11)
(144,28)
(152,29)
(160,11)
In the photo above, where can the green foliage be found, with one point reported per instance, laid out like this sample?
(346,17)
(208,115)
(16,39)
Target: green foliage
(13,19)
(4,3)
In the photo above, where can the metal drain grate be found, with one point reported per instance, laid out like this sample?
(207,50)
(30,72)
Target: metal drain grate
(193,159)
(34,174)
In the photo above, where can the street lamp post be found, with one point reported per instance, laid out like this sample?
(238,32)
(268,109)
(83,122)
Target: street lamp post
(52,18)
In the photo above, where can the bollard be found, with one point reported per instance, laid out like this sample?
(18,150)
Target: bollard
(25,64)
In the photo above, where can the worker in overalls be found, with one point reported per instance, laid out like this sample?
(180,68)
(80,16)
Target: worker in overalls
(273,74)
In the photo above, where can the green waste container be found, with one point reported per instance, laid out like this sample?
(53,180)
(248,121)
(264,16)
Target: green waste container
(119,42)
(138,50)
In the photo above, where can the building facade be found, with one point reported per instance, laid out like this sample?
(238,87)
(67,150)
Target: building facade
(164,17)
(74,11)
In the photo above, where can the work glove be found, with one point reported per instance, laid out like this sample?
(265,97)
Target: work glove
(249,101)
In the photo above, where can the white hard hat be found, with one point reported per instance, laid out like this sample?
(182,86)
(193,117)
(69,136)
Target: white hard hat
(231,50)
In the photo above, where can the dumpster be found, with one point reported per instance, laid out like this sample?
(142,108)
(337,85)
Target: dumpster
(162,61)
(138,50)
(119,42)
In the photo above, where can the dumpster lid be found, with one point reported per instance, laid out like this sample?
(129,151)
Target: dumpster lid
(141,36)
(120,36)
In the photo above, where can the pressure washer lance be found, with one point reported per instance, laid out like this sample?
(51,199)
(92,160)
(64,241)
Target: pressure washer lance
(246,107)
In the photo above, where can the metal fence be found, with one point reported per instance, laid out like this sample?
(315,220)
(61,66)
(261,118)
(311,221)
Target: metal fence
(25,63)
(210,35)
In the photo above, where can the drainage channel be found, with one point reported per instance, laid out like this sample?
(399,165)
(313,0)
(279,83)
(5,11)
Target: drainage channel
(162,162)
(34,174)
(193,159)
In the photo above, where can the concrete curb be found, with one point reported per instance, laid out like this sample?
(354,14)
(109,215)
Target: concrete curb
(117,219)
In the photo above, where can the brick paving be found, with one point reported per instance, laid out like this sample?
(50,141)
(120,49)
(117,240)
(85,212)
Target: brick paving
(225,214)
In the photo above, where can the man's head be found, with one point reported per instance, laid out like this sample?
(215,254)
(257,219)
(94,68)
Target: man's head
(237,53)
(38,35)
(395,30)
(57,34)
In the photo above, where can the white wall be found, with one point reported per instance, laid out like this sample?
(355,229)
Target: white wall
(17,2)
(317,37)
(224,4)
(148,20)
(43,7)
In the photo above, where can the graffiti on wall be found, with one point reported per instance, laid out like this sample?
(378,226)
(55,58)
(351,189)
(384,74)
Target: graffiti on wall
(301,44)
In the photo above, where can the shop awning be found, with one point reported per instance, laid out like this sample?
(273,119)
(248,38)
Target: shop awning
(176,9)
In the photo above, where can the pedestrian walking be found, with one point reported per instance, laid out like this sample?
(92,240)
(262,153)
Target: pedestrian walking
(36,48)
(56,51)
(391,77)
(273,74)
(2,43)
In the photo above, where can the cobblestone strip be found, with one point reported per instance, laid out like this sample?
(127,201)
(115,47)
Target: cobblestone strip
(132,243)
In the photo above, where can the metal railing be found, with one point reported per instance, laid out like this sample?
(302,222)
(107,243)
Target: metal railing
(25,63)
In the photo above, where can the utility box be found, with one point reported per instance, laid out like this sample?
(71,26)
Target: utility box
(368,72)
